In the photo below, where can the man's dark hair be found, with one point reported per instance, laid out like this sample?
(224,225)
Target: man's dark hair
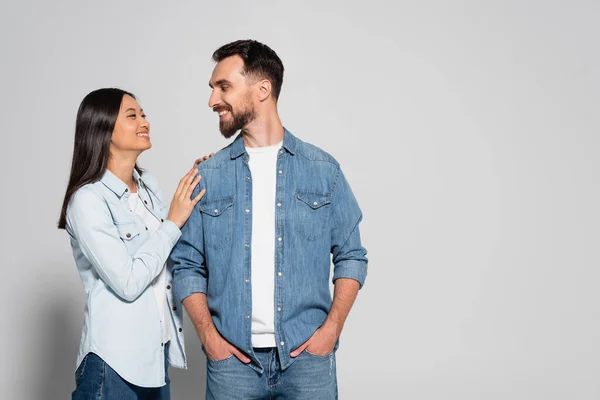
(259,61)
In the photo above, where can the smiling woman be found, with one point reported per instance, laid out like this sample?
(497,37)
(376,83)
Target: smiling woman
(122,231)
(130,127)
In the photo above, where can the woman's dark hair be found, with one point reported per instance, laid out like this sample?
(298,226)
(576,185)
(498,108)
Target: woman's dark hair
(94,126)
(259,61)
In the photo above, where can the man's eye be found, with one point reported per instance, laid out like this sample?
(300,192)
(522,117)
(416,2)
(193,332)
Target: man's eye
(224,88)
(143,115)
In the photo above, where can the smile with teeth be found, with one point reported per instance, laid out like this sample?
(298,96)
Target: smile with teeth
(223,112)
(143,134)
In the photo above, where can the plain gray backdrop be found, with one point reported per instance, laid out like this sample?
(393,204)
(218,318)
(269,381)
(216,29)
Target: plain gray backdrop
(467,129)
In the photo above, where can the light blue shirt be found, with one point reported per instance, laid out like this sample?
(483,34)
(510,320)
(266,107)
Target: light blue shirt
(316,223)
(117,259)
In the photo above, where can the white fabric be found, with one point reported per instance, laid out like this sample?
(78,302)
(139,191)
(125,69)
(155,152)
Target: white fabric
(263,168)
(136,205)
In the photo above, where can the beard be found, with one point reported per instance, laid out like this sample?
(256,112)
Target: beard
(238,122)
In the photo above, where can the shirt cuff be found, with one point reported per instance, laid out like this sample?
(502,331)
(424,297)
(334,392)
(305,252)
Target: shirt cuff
(352,269)
(189,285)
(171,230)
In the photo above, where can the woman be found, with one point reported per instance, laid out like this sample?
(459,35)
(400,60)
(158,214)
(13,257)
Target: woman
(121,234)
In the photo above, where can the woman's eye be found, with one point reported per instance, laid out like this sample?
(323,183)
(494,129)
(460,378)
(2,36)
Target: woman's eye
(131,116)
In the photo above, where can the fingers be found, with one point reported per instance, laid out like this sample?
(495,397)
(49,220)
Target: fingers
(200,196)
(191,186)
(202,159)
(183,183)
(299,350)
(187,181)
(239,355)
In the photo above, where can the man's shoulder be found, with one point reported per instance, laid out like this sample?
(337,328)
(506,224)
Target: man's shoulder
(217,161)
(314,153)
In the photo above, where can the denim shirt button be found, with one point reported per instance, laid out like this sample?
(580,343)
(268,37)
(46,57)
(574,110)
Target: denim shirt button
(282,343)
(278,308)
(247,210)
(279,238)
(280,172)
(278,204)
(279,273)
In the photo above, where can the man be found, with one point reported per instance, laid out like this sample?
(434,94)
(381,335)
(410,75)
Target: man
(252,267)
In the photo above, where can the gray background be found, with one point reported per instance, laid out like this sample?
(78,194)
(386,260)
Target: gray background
(467,129)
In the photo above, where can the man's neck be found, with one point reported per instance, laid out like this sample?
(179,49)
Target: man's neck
(263,131)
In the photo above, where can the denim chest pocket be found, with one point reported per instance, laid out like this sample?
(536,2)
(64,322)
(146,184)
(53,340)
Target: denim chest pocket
(312,214)
(217,219)
(128,231)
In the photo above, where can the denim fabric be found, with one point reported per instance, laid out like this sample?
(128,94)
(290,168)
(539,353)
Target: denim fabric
(117,259)
(316,222)
(96,380)
(311,377)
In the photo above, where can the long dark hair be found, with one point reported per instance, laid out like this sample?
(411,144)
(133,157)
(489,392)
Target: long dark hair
(94,126)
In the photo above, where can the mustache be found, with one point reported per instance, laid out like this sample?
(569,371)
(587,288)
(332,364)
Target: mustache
(221,108)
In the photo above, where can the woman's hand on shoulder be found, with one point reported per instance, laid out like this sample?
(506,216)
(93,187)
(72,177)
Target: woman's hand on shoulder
(183,204)
(202,159)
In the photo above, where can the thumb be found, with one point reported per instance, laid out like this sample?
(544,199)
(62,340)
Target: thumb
(239,355)
(299,350)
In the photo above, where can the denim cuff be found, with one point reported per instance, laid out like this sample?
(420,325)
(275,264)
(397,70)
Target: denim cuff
(353,269)
(189,285)
(171,230)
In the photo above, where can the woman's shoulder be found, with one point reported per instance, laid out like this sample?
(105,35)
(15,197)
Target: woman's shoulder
(86,204)
(149,180)
(87,196)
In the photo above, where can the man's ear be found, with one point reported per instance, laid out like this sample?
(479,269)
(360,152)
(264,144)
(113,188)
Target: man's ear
(264,89)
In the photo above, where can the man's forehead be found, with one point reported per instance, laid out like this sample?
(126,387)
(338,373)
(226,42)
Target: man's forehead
(228,68)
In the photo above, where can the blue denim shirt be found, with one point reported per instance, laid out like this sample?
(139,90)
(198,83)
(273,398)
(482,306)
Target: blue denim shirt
(117,259)
(316,217)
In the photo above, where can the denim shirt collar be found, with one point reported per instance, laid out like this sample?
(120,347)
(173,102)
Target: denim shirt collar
(238,148)
(115,184)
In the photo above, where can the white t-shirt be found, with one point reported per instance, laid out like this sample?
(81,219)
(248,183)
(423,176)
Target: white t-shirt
(263,167)
(137,206)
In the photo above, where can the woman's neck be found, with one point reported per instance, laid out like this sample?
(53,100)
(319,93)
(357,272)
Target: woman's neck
(123,169)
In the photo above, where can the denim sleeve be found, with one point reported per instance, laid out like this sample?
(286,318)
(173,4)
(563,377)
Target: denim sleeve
(89,221)
(349,257)
(187,258)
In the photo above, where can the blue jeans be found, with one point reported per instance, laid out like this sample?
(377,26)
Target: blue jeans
(310,377)
(95,379)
